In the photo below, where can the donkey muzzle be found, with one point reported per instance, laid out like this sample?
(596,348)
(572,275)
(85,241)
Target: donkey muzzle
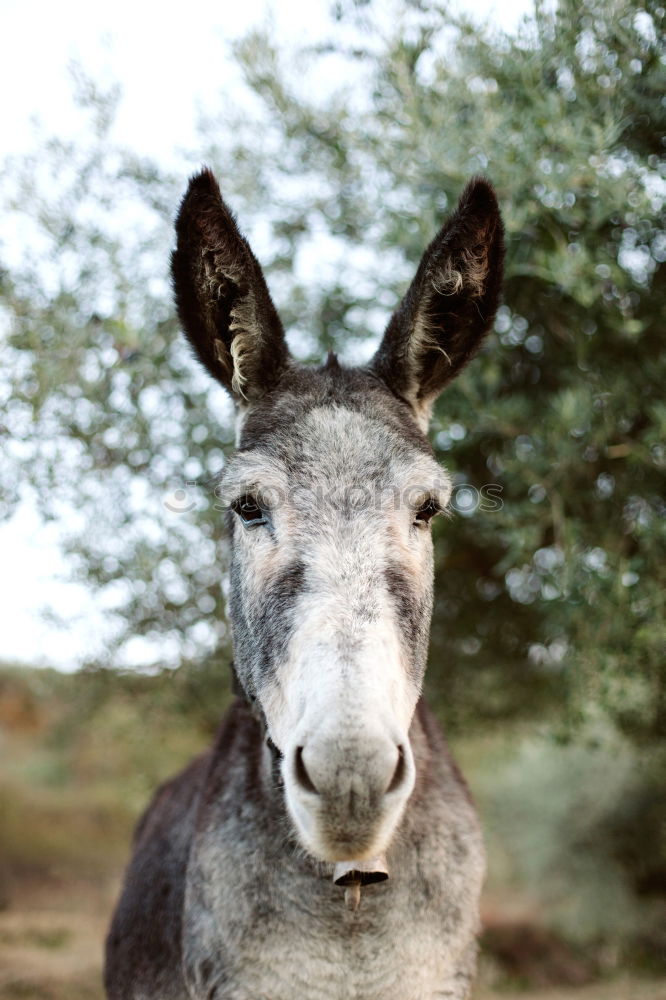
(347,797)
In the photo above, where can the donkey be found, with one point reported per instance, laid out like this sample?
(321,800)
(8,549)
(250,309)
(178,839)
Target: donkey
(326,847)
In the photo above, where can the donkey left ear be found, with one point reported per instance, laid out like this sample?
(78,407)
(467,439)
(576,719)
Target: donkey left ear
(222,297)
(450,305)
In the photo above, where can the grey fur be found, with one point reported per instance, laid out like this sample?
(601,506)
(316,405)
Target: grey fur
(229,894)
(263,921)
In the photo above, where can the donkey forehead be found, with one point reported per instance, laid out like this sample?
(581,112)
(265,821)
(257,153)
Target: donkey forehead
(333,445)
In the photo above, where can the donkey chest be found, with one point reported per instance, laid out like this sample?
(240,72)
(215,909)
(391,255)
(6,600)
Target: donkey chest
(269,940)
(357,970)
(360,958)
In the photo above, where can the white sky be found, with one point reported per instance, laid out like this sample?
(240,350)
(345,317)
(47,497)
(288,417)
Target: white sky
(170,63)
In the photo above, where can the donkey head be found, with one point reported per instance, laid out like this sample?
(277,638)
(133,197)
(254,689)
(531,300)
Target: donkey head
(331,493)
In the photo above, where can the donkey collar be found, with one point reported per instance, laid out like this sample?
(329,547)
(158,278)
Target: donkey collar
(353,875)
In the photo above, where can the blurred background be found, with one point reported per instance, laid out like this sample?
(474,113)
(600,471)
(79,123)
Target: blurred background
(342,134)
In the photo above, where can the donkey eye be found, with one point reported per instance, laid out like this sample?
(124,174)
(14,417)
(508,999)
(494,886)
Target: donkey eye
(427,511)
(248,510)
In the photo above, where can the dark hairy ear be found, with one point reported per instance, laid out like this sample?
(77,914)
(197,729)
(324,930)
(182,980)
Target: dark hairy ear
(222,298)
(450,305)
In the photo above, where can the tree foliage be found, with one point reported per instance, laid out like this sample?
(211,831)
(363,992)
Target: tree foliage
(554,601)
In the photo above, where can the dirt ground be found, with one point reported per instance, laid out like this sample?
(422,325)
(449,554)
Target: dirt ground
(51,949)
(51,942)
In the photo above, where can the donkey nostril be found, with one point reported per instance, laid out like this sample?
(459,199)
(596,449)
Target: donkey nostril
(399,773)
(301,774)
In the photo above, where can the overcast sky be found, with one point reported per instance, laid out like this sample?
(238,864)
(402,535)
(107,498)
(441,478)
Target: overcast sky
(170,62)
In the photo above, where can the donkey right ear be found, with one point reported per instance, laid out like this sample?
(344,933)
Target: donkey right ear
(223,302)
(450,305)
